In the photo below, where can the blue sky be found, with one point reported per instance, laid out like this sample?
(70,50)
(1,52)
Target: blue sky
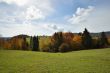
(44,17)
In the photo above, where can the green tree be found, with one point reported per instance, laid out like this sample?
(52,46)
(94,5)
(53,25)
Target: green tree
(31,42)
(35,46)
(103,41)
(87,39)
(24,44)
(57,41)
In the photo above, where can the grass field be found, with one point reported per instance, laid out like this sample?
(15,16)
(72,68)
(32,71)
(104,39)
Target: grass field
(86,61)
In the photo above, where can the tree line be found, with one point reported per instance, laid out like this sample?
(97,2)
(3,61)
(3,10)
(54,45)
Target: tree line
(59,42)
(20,43)
(64,42)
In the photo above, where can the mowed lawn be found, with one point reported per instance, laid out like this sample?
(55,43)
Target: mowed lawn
(84,61)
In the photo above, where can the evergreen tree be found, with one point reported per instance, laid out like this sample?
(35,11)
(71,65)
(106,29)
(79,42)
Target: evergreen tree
(103,40)
(24,44)
(31,42)
(58,40)
(35,46)
(87,39)
(80,34)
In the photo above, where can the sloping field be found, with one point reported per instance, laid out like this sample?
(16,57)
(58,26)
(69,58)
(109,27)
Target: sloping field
(86,61)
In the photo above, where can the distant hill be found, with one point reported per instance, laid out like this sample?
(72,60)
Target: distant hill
(24,36)
(98,34)
(21,36)
(108,33)
(17,36)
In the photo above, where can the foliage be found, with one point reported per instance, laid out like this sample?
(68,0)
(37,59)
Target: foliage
(87,39)
(77,43)
(24,44)
(64,47)
(57,40)
(44,41)
(103,41)
(47,48)
(68,37)
(35,45)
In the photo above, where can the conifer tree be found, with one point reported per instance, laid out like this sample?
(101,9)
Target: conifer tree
(87,39)
(35,46)
(31,42)
(58,40)
(103,40)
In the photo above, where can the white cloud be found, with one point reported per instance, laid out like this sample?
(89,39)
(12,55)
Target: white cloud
(53,27)
(30,29)
(29,9)
(44,5)
(99,20)
(33,13)
(19,20)
(17,2)
(81,15)
(94,19)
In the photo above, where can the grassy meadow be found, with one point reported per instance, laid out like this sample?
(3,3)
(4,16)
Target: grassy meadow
(84,61)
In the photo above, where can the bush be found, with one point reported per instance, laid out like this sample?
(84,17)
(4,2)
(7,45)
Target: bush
(64,47)
(44,43)
(47,48)
(76,44)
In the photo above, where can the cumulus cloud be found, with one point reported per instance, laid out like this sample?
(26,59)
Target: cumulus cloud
(54,27)
(16,29)
(17,2)
(21,17)
(45,5)
(81,15)
(28,9)
(30,29)
(94,19)
(99,20)
(33,13)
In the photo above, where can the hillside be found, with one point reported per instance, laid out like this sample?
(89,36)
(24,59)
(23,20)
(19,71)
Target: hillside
(86,61)
(94,34)
(23,35)
(98,34)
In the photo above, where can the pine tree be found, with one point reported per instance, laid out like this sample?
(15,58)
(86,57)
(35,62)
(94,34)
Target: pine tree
(24,44)
(87,39)
(35,46)
(31,42)
(58,40)
(103,40)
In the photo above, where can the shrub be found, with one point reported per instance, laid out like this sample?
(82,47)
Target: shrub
(46,49)
(64,47)
(44,43)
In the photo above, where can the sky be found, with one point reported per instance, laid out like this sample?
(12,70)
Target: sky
(44,17)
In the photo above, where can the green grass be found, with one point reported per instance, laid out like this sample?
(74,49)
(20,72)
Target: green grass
(85,61)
